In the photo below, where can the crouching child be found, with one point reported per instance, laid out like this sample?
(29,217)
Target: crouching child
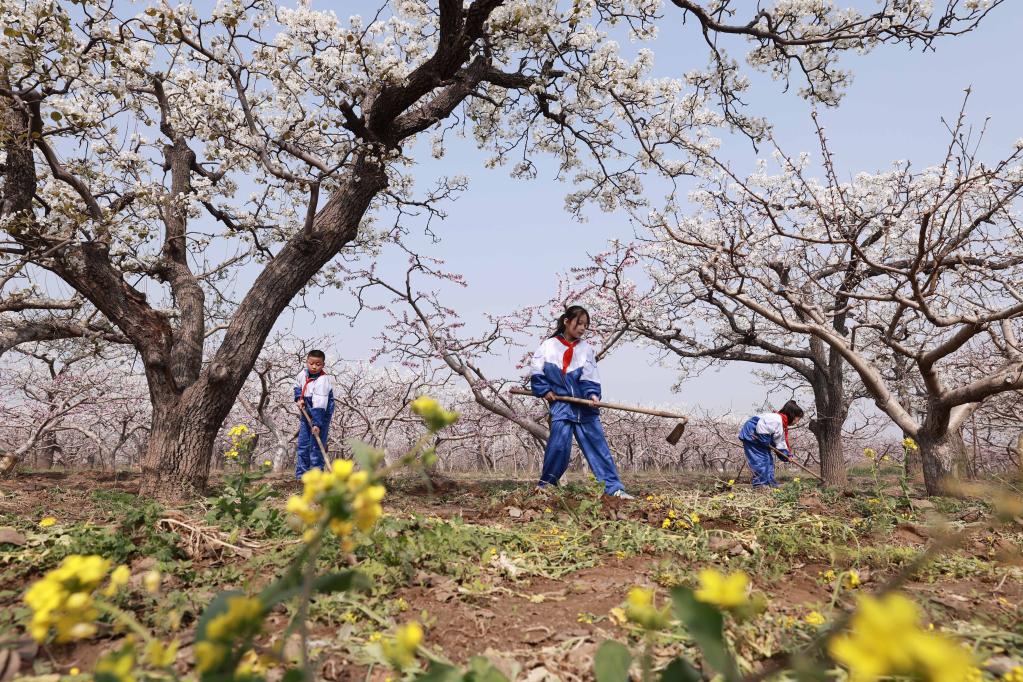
(762,432)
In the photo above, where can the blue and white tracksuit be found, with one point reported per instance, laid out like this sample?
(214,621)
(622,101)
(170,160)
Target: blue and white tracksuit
(571,370)
(317,393)
(759,432)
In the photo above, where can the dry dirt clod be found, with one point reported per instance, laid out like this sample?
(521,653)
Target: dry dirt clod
(9,536)
(720,544)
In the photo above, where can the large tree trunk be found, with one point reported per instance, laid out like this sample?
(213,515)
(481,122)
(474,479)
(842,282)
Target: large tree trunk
(179,452)
(829,399)
(944,460)
(48,451)
(914,463)
(830,445)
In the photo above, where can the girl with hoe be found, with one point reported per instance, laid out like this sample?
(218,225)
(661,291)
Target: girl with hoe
(565,365)
(766,432)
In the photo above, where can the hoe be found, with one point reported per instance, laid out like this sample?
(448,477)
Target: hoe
(792,458)
(672,437)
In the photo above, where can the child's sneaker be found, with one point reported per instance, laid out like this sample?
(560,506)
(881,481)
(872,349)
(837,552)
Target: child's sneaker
(622,495)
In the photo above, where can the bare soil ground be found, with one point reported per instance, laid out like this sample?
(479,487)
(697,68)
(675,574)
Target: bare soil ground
(532,582)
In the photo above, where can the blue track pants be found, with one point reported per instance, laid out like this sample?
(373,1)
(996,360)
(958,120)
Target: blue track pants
(308,455)
(593,443)
(761,463)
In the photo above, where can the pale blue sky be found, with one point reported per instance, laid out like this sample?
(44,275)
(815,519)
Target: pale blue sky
(510,238)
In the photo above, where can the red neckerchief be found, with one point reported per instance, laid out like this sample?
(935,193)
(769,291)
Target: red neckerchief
(566,359)
(785,428)
(308,380)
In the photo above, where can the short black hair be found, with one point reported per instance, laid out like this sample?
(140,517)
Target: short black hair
(317,354)
(791,410)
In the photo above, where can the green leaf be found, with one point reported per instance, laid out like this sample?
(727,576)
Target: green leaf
(294,675)
(612,662)
(706,626)
(216,607)
(679,670)
(482,670)
(440,672)
(365,455)
(290,585)
(343,581)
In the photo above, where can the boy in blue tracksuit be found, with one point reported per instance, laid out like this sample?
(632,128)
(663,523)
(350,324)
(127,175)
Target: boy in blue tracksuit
(763,431)
(565,365)
(314,389)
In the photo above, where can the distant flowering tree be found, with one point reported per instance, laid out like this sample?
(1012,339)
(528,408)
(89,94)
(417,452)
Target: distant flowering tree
(917,268)
(151,151)
(660,300)
(69,405)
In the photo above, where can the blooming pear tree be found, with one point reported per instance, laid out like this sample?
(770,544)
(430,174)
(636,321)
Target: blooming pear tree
(659,298)
(921,265)
(153,152)
(28,315)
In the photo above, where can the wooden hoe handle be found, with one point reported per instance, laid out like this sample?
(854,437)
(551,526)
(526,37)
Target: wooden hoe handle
(614,406)
(792,458)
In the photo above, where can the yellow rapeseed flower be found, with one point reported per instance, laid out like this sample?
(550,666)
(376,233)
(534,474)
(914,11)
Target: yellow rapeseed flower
(640,609)
(74,671)
(409,636)
(852,579)
(47,521)
(118,579)
(117,665)
(694,517)
(367,506)
(243,615)
(1014,675)
(208,655)
(909,444)
(268,463)
(400,651)
(666,523)
(151,581)
(160,655)
(724,591)
(869,453)
(435,416)
(62,599)
(237,431)
(814,618)
(885,638)
(253,664)
(334,492)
